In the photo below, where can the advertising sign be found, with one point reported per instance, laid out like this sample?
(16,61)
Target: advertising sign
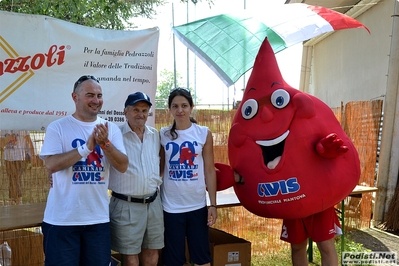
(42,57)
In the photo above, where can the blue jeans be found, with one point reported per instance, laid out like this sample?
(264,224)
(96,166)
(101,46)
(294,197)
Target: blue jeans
(87,245)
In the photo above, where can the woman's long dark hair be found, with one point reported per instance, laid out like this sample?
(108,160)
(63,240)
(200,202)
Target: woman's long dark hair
(186,94)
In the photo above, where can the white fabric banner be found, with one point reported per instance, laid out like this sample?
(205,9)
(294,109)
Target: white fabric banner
(42,57)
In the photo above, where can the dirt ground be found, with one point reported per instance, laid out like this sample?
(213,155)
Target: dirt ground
(376,240)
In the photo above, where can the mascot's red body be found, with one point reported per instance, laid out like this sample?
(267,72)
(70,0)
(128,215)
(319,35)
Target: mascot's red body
(289,149)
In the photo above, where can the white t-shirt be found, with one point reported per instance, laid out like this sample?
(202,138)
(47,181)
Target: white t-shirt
(79,195)
(183,187)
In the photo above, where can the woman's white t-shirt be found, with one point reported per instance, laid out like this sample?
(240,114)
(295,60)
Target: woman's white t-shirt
(184,188)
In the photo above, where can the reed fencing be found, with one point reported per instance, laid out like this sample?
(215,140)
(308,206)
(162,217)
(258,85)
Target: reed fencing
(361,120)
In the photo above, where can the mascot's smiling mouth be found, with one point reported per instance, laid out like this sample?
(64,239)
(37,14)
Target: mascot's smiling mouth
(272,150)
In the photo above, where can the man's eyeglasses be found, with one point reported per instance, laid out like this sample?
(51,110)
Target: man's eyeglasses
(84,78)
(181,89)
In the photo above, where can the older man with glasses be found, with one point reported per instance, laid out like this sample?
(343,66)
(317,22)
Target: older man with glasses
(78,151)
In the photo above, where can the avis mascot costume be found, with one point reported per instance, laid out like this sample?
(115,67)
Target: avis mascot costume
(291,153)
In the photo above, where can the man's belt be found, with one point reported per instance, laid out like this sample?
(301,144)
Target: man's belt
(137,200)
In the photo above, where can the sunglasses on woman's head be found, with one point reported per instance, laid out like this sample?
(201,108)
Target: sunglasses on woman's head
(181,89)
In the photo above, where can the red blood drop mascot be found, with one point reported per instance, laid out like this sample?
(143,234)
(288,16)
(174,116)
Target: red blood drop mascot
(291,153)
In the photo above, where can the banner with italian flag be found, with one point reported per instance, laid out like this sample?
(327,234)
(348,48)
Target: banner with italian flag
(229,43)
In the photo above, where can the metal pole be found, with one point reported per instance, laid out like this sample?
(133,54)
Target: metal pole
(174,48)
(188,59)
(195,60)
(243,76)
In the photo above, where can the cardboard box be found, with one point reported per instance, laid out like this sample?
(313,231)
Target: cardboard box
(229,250)
(116,259)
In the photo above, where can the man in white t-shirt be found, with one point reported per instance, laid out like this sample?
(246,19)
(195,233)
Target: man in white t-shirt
(78,151)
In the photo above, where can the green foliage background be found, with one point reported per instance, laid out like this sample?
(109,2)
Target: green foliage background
(103,14)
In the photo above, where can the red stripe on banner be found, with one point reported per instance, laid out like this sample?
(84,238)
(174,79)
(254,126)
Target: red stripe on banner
(337,20)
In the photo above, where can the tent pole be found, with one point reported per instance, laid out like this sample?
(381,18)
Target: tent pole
(174,48)
(188,59)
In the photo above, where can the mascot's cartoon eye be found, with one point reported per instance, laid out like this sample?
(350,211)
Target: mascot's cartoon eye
(280,98)
(249,109)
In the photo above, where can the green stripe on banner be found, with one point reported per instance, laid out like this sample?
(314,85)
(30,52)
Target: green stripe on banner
(228,43)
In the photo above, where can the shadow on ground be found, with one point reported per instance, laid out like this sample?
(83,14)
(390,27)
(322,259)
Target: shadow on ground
(375,239)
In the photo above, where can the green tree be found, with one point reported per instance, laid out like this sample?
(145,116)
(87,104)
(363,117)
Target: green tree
(104,14)
(165,84)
